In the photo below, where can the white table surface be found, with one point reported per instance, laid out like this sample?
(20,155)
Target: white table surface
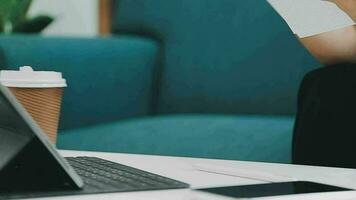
(184,169)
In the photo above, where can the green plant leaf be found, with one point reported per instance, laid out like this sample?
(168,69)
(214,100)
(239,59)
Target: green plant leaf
(19,11)
(1,27)
(33,25)
(6,7)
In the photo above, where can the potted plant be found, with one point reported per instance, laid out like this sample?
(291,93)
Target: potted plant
(14,18)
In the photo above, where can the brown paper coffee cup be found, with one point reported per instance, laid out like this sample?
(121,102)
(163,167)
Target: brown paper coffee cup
(40,93)
(44,105)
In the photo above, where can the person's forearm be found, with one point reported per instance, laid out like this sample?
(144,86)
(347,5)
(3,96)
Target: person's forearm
(349,6)
(332,47)
(335,46)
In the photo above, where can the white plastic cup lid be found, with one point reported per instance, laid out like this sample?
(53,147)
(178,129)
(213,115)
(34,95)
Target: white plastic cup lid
(27,78)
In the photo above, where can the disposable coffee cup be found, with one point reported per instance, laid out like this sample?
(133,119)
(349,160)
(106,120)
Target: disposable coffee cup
(40,93)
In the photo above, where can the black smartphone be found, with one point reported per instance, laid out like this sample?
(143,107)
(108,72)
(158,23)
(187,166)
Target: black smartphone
(273,189)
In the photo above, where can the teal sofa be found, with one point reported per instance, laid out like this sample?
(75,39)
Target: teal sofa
(202,78)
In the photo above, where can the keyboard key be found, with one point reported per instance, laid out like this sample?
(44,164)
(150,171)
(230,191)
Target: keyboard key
(106,175)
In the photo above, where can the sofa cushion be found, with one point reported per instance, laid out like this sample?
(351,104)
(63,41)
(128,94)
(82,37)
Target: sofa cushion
(108,78)
(220,56)
(253,138)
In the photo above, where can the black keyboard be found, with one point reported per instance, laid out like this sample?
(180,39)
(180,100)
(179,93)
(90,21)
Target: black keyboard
(106,176)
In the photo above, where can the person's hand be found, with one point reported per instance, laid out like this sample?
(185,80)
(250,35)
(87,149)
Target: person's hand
(349,6)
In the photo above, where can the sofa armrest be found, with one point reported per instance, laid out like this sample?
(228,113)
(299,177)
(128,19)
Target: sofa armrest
(108,78)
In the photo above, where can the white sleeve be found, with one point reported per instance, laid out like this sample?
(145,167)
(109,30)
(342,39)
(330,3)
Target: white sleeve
(311,17)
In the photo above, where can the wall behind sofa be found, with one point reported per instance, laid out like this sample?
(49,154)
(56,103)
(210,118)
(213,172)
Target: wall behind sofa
(72,17)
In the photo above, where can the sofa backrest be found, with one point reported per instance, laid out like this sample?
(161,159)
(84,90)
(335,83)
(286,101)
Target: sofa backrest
(108,79)
(219,56)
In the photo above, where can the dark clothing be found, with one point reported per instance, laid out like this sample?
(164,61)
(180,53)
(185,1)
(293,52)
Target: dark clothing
(325,128)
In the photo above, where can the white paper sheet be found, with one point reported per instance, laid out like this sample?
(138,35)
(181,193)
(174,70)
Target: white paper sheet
(311,17)
(243,173)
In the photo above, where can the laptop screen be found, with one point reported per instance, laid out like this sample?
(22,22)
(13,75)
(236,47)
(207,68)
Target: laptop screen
(27,159)
(14,133)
